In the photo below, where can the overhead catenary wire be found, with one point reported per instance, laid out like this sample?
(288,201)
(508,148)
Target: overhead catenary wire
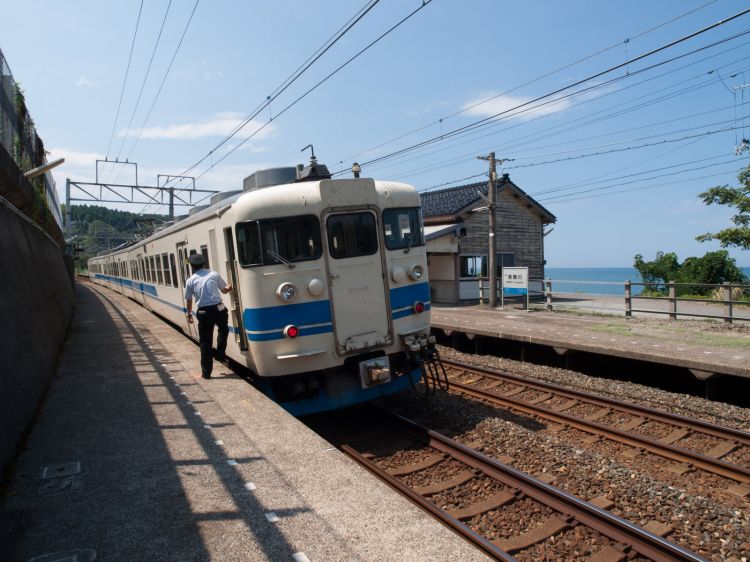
(124,81)
(574,197)
(579,122)
(574,84)
(667,174)
(293,77)
(424,4)
(528,83)
(163,80)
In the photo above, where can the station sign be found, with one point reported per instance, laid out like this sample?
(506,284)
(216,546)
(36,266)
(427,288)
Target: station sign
(515,281)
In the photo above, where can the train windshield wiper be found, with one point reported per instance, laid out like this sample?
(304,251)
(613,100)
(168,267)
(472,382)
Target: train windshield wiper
(280,258)
(408,248)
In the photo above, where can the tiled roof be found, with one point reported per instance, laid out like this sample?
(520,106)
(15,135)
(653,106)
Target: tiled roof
(451,200)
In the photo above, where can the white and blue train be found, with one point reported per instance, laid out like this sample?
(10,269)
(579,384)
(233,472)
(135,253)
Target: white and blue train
(331,304)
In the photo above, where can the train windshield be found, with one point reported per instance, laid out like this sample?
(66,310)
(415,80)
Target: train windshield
(403,228)
(352,235)
(283,240)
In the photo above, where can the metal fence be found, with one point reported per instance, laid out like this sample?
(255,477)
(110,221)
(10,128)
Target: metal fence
(19,138)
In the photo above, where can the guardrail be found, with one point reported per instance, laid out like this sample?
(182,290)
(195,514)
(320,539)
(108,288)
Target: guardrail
(726,304)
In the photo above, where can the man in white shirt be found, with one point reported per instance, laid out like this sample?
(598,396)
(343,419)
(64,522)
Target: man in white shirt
(206,286)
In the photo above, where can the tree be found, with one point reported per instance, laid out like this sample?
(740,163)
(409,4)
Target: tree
(663,269)
(713,268)
(739,198)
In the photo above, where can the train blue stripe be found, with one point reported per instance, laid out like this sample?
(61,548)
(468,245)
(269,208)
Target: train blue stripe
(406,296)
(278,317)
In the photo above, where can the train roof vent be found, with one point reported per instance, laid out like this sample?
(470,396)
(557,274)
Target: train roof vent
(216,197)
(269,177)
(196,210)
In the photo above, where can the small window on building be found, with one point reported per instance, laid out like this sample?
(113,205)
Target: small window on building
(473,266)
(351,235)
(505,259)
(403,228)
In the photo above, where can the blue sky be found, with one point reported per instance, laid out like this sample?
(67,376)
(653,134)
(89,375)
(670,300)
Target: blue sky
(70,58)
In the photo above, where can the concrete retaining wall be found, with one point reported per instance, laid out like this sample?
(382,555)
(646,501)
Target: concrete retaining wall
(36,305)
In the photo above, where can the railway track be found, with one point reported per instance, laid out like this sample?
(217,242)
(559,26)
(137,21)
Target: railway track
(503,511)
(644,429)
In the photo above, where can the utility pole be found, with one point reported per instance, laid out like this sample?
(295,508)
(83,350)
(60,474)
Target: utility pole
(491,253)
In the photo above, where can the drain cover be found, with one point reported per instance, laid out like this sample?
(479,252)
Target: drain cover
(61,469)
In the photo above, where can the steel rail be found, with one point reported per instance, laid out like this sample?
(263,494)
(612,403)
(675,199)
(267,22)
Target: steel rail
(452,523)
(708,428)
(698,460)
(616,528)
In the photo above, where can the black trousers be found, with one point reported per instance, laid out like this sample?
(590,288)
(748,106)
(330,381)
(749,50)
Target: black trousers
(208,317)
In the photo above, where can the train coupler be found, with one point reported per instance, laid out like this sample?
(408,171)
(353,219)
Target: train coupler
(422,351)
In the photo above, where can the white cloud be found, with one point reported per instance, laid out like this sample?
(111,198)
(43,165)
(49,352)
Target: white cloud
(86,82)
(504,103)
(201,71)
(218,125)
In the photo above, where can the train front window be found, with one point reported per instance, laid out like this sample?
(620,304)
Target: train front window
(282,240)
(352,235)
(402,228)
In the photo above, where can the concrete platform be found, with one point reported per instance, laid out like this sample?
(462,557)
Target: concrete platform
(135,457)
(699,346)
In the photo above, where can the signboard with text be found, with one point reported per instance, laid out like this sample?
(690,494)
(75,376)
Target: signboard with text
(515,281)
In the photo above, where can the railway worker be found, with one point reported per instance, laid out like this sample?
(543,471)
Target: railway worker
(205,285)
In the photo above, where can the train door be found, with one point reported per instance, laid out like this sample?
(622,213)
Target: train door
(182,276)
(235,306)
(360,312)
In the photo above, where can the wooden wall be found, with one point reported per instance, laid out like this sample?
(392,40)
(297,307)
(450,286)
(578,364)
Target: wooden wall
(519,230)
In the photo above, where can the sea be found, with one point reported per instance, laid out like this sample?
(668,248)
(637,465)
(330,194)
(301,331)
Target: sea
(596,280)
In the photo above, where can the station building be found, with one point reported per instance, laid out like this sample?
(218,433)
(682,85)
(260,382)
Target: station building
(456,232)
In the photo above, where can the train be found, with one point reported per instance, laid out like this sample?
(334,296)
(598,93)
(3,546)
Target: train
(331,300)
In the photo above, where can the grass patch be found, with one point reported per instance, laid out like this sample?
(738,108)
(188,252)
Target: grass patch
(613,329)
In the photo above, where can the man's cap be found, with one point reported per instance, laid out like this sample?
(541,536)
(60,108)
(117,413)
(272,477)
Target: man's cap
(197,259)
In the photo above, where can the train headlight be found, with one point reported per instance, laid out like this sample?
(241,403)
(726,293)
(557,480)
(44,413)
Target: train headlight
(291,331)
(416,272)
(286,291)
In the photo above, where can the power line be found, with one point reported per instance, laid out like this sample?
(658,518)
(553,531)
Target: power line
(318,84)
(293,77)
(143,84)
(641,188)
(125,80)
(485,120)
(668,174)
(163,80)
(583,120)
(534,80)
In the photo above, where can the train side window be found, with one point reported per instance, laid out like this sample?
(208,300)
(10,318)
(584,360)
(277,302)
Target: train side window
(159,272)
(403,228)
(204,251)
(152,265)
(248,243)
(351,235)
(173,269)
(165,268)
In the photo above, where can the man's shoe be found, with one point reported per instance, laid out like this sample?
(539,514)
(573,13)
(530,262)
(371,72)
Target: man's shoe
(206,376)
